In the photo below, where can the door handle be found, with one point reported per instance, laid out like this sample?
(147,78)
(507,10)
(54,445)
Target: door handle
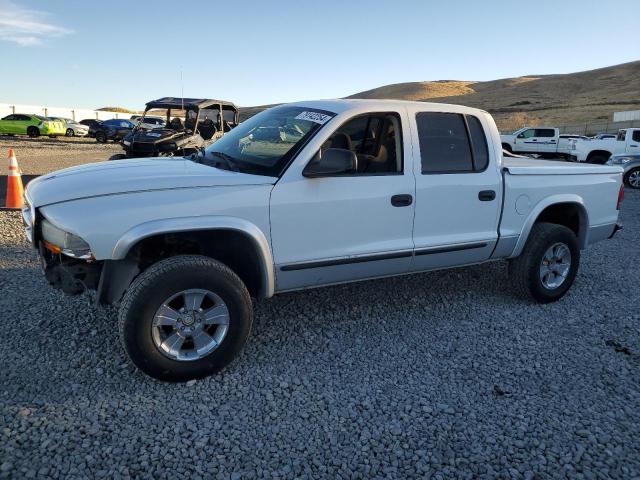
(487,195)
(403,200)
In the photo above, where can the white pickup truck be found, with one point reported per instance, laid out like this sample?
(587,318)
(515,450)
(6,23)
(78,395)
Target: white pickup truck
(305,195)
(543,141)
(598,151)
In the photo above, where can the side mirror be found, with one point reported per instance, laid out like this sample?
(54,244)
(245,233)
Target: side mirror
(331,162)
(521,135)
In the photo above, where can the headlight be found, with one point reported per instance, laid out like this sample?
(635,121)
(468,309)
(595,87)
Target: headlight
(126,142)
(59,241)
(623,159)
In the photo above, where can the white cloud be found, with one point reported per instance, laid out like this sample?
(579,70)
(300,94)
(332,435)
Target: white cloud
(26,27)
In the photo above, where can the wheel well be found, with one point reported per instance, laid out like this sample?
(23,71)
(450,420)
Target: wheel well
(506,146)
(603,153)
(570,215)
(235,249)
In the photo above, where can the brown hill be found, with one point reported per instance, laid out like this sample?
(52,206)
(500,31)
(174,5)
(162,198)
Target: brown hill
(564,99)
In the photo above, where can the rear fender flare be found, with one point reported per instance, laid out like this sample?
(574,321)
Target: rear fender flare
(539,208)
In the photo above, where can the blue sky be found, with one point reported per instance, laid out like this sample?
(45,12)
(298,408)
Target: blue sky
(90,54)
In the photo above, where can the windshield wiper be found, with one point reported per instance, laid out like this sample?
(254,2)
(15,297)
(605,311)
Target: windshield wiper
(229,162)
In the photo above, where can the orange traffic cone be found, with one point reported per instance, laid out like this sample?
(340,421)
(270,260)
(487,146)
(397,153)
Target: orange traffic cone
(15,190)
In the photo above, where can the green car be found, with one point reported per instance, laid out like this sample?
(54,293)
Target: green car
(32,125)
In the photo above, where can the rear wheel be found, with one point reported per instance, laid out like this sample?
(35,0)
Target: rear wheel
(118,156)
(69,132)
(101,137)
(632,178)
(598,159)
(33,132)
(185,317)
(547,267)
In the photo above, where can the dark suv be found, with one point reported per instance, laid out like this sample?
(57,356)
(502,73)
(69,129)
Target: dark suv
(115,129)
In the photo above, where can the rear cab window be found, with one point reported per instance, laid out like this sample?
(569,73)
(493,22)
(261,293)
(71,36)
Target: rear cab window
(451,143)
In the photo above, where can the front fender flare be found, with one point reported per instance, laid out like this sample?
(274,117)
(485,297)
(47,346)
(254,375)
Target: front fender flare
(208,222)
(547,202)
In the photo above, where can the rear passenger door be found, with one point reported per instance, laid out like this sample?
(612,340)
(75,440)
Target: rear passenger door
(458,191)
(547,141)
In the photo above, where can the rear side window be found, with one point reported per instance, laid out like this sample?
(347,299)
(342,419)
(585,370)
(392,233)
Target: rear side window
(478,143)
(545,132)
(636,136)
(451,142)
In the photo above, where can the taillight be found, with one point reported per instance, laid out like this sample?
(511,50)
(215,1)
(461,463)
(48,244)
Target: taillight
(620,197)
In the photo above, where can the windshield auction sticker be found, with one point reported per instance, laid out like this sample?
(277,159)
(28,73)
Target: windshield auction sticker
(315,117)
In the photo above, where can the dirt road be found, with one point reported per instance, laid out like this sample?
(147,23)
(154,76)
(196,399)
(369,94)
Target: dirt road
(37,156)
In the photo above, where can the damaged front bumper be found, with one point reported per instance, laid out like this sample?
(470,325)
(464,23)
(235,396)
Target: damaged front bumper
(72,276)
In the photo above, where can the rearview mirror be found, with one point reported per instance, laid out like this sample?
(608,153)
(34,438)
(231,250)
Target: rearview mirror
(331,162)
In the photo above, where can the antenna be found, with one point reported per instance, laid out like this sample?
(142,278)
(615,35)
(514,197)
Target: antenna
(181,90)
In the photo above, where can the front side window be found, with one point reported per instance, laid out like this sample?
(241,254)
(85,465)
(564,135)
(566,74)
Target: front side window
(451,143)
(376,139)
(528,133)
(622,135)
(264,144)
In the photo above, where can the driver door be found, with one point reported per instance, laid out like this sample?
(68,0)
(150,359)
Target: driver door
(526,141)
(348,226)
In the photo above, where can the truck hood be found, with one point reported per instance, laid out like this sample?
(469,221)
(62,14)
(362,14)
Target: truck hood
(134,175)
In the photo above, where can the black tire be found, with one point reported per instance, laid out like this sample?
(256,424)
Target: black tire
(158,283)
(70,132)
(101,137)
(33,132)
(524,271)
(628,178)
(598,159)
(118,156)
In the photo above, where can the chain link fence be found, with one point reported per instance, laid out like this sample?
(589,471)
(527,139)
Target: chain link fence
(593,128)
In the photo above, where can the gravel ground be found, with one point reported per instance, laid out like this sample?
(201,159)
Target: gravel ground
(440,375)
(37,156)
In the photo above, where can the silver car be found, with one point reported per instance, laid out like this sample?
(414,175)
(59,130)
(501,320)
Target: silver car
(73,128)
(631,165)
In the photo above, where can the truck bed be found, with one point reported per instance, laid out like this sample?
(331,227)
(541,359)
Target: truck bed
(530,185)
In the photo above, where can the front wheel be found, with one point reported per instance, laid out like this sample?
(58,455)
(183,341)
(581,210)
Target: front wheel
(547,267)
(185,317)
(632,178)
(69,132)
(101,137)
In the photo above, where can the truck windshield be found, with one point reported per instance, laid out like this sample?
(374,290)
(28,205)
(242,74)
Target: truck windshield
(264,144)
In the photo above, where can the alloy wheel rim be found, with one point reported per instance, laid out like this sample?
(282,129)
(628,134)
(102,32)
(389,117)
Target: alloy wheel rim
(190,325)
(634,179)
(555,266)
